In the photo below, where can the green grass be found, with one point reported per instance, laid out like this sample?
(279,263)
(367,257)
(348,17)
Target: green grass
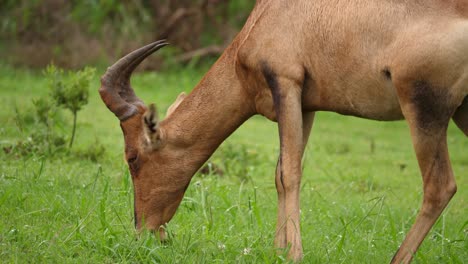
(361,191)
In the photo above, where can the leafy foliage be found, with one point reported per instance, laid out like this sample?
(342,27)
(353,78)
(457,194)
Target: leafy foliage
(39,123)
(43,110)
(43,123)
(71,93)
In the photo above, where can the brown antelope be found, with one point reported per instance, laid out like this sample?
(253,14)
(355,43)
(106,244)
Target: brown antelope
(381,60)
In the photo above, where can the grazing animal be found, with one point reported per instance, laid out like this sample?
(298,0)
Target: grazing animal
(381,60)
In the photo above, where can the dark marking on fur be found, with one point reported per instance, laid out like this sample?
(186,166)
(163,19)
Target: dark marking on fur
(461,116)
(281,178)
(152,127)
(272,82)
(386,72)
(280,168)
(150,124)
(307,80)
(431,105)
(134,211)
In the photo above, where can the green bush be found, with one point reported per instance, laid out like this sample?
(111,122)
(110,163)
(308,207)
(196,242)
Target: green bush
(70,92)
(43,123)
(38,123)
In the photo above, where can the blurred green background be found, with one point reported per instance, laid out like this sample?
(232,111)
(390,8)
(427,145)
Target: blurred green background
(78,33)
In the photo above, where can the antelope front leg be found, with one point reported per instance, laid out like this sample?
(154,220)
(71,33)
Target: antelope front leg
(287,97)
(280,237)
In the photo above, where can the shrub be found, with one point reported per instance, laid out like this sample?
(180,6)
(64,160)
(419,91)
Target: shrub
(67,91)
(70,93)
(38,123)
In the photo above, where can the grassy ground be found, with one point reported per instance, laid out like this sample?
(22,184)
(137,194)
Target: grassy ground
(360,193)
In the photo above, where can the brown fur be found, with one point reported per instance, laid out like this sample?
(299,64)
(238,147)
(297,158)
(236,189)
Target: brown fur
(381,60)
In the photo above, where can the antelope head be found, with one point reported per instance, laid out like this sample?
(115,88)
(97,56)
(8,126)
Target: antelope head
(159,185)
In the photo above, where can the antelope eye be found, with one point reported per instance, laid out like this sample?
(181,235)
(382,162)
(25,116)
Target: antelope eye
(133,164)
(132,159)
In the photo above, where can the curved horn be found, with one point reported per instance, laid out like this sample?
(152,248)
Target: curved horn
(116,91)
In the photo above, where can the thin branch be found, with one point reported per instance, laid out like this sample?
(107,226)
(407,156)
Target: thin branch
(202,52)
(174,20)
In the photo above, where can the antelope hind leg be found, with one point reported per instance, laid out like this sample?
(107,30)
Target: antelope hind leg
(428,112)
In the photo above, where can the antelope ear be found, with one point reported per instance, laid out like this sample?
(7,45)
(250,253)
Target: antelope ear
(153,135)
(177,102)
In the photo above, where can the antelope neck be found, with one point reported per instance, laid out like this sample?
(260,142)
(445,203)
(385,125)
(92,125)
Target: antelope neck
(216,107)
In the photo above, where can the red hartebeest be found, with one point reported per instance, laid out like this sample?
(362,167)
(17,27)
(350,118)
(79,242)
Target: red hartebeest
(381,60)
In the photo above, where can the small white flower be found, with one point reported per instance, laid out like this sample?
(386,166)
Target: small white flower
(221,246)
(246,251)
